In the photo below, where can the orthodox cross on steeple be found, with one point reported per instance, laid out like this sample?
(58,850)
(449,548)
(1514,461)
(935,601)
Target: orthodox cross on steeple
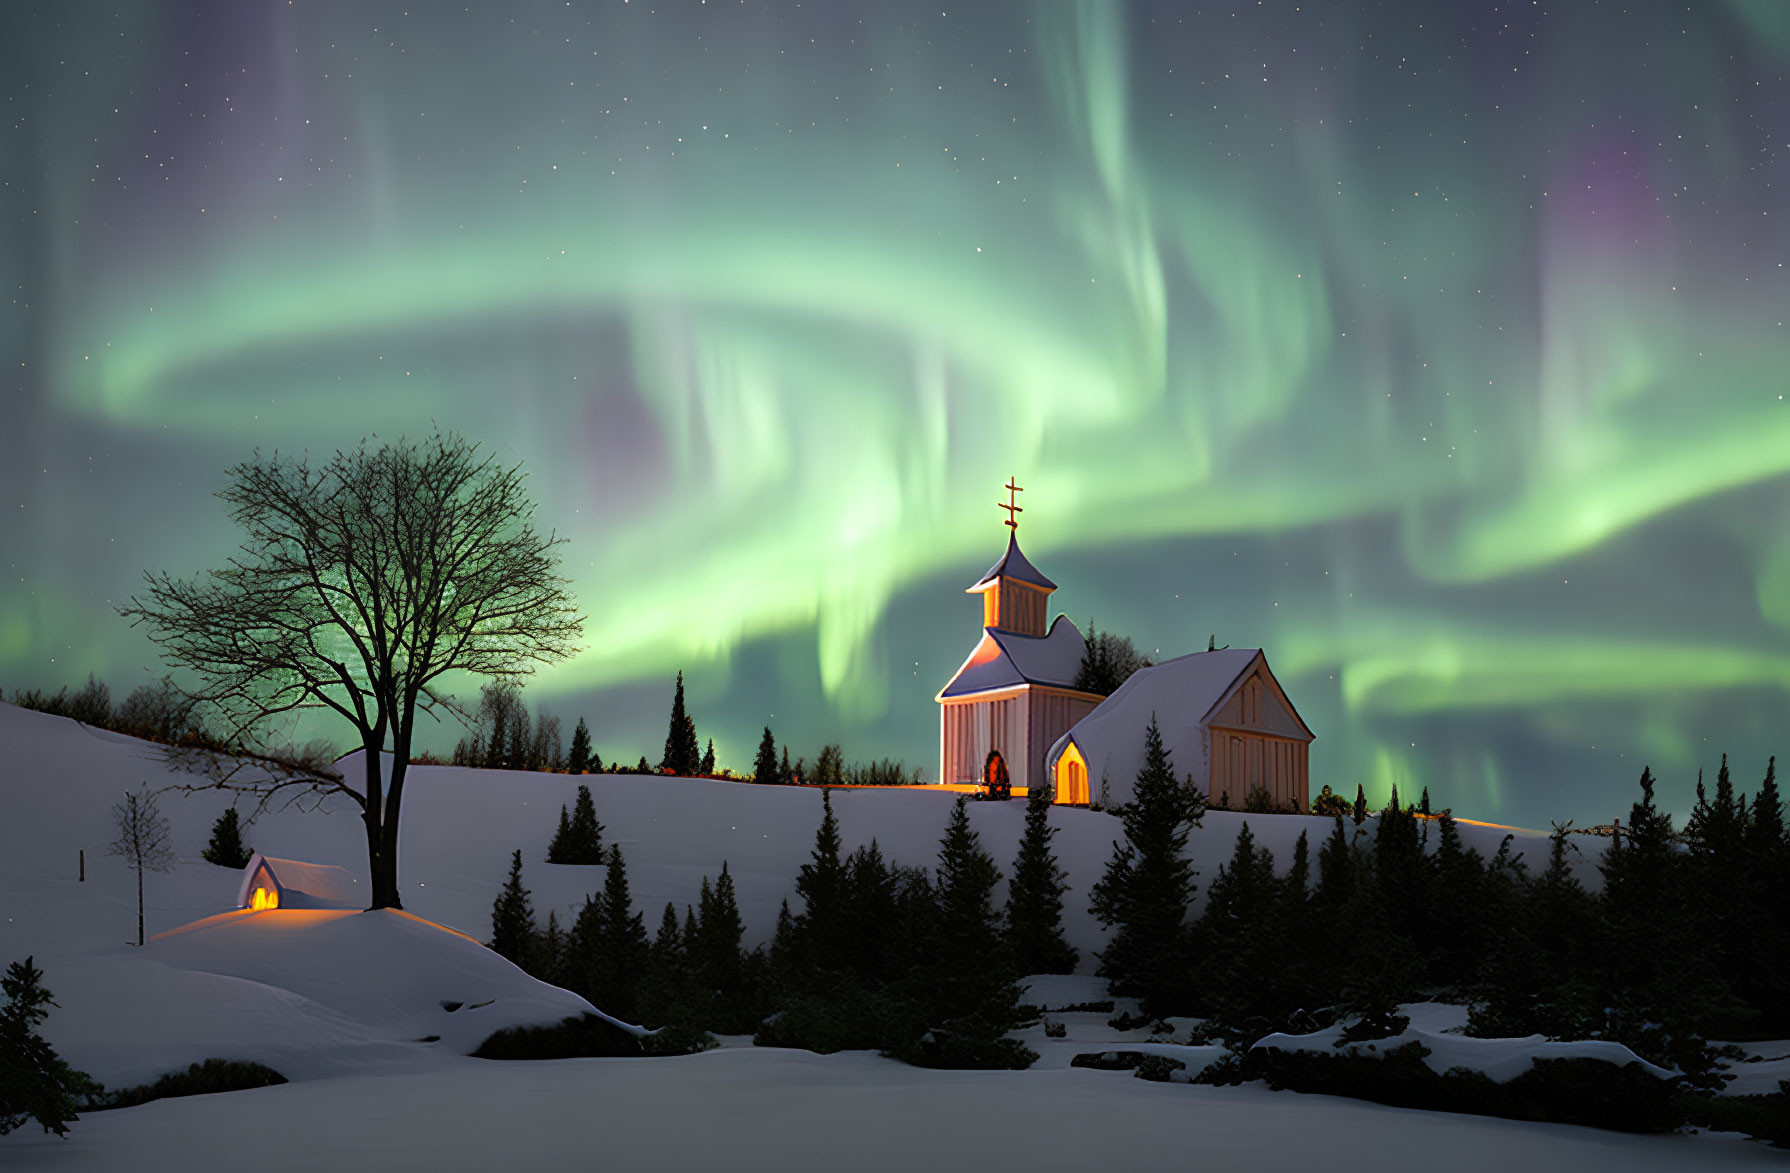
(1011,508)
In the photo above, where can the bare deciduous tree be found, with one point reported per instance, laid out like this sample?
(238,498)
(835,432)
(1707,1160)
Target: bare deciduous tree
(142,841)
(361,584)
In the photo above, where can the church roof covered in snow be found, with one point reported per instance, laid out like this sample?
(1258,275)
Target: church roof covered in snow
(1182,694)
(1005,659)
(1014,565)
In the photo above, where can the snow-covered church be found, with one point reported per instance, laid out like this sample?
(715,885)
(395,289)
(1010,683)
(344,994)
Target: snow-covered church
(1013,705)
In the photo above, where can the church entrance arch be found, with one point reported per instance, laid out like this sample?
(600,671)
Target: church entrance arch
(995,781)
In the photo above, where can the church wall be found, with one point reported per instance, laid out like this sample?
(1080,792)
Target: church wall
(969,729)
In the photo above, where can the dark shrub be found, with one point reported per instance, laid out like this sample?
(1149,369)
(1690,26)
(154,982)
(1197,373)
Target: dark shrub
(968,1043)
(201,1079)
(1109,1060)
(845,1017)
(1766,1117)
(578,1037)
(1159,1069)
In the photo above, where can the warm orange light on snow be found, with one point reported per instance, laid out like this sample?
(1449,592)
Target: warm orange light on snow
(261,898)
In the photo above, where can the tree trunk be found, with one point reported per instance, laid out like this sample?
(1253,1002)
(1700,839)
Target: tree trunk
(382,872)
(139,902)
(394,795)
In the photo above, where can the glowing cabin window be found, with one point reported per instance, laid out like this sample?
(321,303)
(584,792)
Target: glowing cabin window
(1072,778)
(261,898)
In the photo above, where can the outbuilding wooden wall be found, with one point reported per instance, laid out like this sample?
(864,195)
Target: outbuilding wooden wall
(1243,759)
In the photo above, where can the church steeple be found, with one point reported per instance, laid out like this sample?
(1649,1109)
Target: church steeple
(1014,593)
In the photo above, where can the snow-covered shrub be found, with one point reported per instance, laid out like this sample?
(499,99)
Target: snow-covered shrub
(578,1037)
(213,1075)
(1565,1091)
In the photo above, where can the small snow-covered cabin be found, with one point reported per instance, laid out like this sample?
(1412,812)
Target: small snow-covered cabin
(1223,719)
(1015,694)
(287,883)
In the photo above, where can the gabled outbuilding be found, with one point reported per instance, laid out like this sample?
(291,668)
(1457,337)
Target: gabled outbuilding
(287,883)
(1224,720)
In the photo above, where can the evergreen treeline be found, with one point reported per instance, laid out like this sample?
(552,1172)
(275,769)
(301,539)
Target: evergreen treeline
(921,964)
(829,769)
(1688,939)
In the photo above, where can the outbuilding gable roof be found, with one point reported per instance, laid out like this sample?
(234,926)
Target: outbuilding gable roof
(1004,659)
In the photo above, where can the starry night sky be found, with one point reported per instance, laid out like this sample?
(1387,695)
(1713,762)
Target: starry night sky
(1437,349)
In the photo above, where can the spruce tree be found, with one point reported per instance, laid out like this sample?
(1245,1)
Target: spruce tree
(708,759)
(1035,897)
(559,848)
(681,754)
(35,1082)
(1456,913)
(641,767)
(584,835)
(784,948)
(621,945)
(1423,804)
(764,766)
(1400,881)
(1342,876)
(667,992)
(226,848)
(1360,811)
(1657,983)
(973,995)
(1148,883)
(548,956)
(786,775)
(716,958)
(1239,936)
(578,757)
(1401,870)
(1715,870)
(1765,819)
(1299,982)
(1767,907)
(821,927)
(513,917)
(871,914)
(1535,981)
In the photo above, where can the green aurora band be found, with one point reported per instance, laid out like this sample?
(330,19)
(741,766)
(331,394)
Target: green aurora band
(1468,411)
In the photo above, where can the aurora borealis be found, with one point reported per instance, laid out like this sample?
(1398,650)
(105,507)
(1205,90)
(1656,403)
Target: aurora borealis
(1437,349)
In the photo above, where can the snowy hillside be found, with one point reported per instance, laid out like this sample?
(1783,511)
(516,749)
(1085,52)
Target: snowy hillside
(369,1014)
(460,825)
